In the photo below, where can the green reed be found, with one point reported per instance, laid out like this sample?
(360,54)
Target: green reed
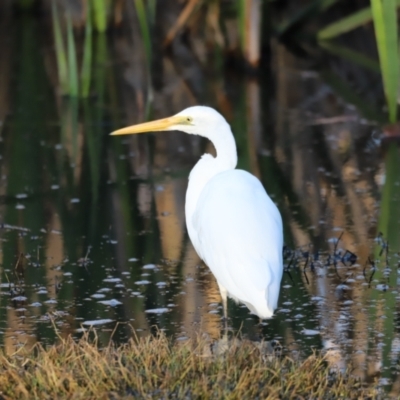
(383,13)
(100,11)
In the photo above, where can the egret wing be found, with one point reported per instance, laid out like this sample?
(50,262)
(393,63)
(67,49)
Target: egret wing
(240,237)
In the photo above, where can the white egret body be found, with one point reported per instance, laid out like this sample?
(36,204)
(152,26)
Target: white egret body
(233,224)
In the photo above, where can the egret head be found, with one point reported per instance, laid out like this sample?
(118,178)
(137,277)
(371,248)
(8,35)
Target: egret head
(197,120)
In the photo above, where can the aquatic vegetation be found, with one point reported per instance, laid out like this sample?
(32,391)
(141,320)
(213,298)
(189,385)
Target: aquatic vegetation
(67,58)
(145,16)
(384,16)
(385,23)
(156,367)
(101,10)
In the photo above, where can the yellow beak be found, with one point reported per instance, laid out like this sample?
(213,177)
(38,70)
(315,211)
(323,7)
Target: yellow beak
(152,126)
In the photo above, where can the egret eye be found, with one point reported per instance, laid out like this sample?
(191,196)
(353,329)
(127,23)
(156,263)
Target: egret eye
(189,120)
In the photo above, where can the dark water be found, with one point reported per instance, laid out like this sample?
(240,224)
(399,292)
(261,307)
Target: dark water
(93,227)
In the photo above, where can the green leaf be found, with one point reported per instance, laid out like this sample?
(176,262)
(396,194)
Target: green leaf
(385,23)
(347,24)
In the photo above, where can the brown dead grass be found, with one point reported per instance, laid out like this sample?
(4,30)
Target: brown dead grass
(158,368)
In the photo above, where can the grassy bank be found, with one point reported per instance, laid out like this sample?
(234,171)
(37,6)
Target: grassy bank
(159,368)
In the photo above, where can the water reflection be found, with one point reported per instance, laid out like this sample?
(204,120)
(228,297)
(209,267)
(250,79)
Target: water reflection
(94,228)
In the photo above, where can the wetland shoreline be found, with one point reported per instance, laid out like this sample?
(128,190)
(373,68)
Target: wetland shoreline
(159,368)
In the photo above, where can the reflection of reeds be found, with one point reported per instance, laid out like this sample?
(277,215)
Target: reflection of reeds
(249,20)
(100,11)
(145,17)
(387,262)
(86,70)
(67,56)
(73,84)
(60,50)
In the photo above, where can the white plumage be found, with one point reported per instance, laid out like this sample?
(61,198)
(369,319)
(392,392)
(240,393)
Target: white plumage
(233,224)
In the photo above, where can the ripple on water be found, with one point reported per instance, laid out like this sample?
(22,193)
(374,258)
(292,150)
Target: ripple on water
(111,302)
(110,279)
(97,322)
(157,310)
(310,332)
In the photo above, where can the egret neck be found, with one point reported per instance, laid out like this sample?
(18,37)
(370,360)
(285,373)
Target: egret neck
(207,167)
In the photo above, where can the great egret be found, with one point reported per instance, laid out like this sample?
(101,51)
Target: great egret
(233,224)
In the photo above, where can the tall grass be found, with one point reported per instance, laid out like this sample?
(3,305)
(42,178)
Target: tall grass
(155,367)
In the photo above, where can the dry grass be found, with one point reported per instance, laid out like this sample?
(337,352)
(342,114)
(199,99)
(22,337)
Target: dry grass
(155,368)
